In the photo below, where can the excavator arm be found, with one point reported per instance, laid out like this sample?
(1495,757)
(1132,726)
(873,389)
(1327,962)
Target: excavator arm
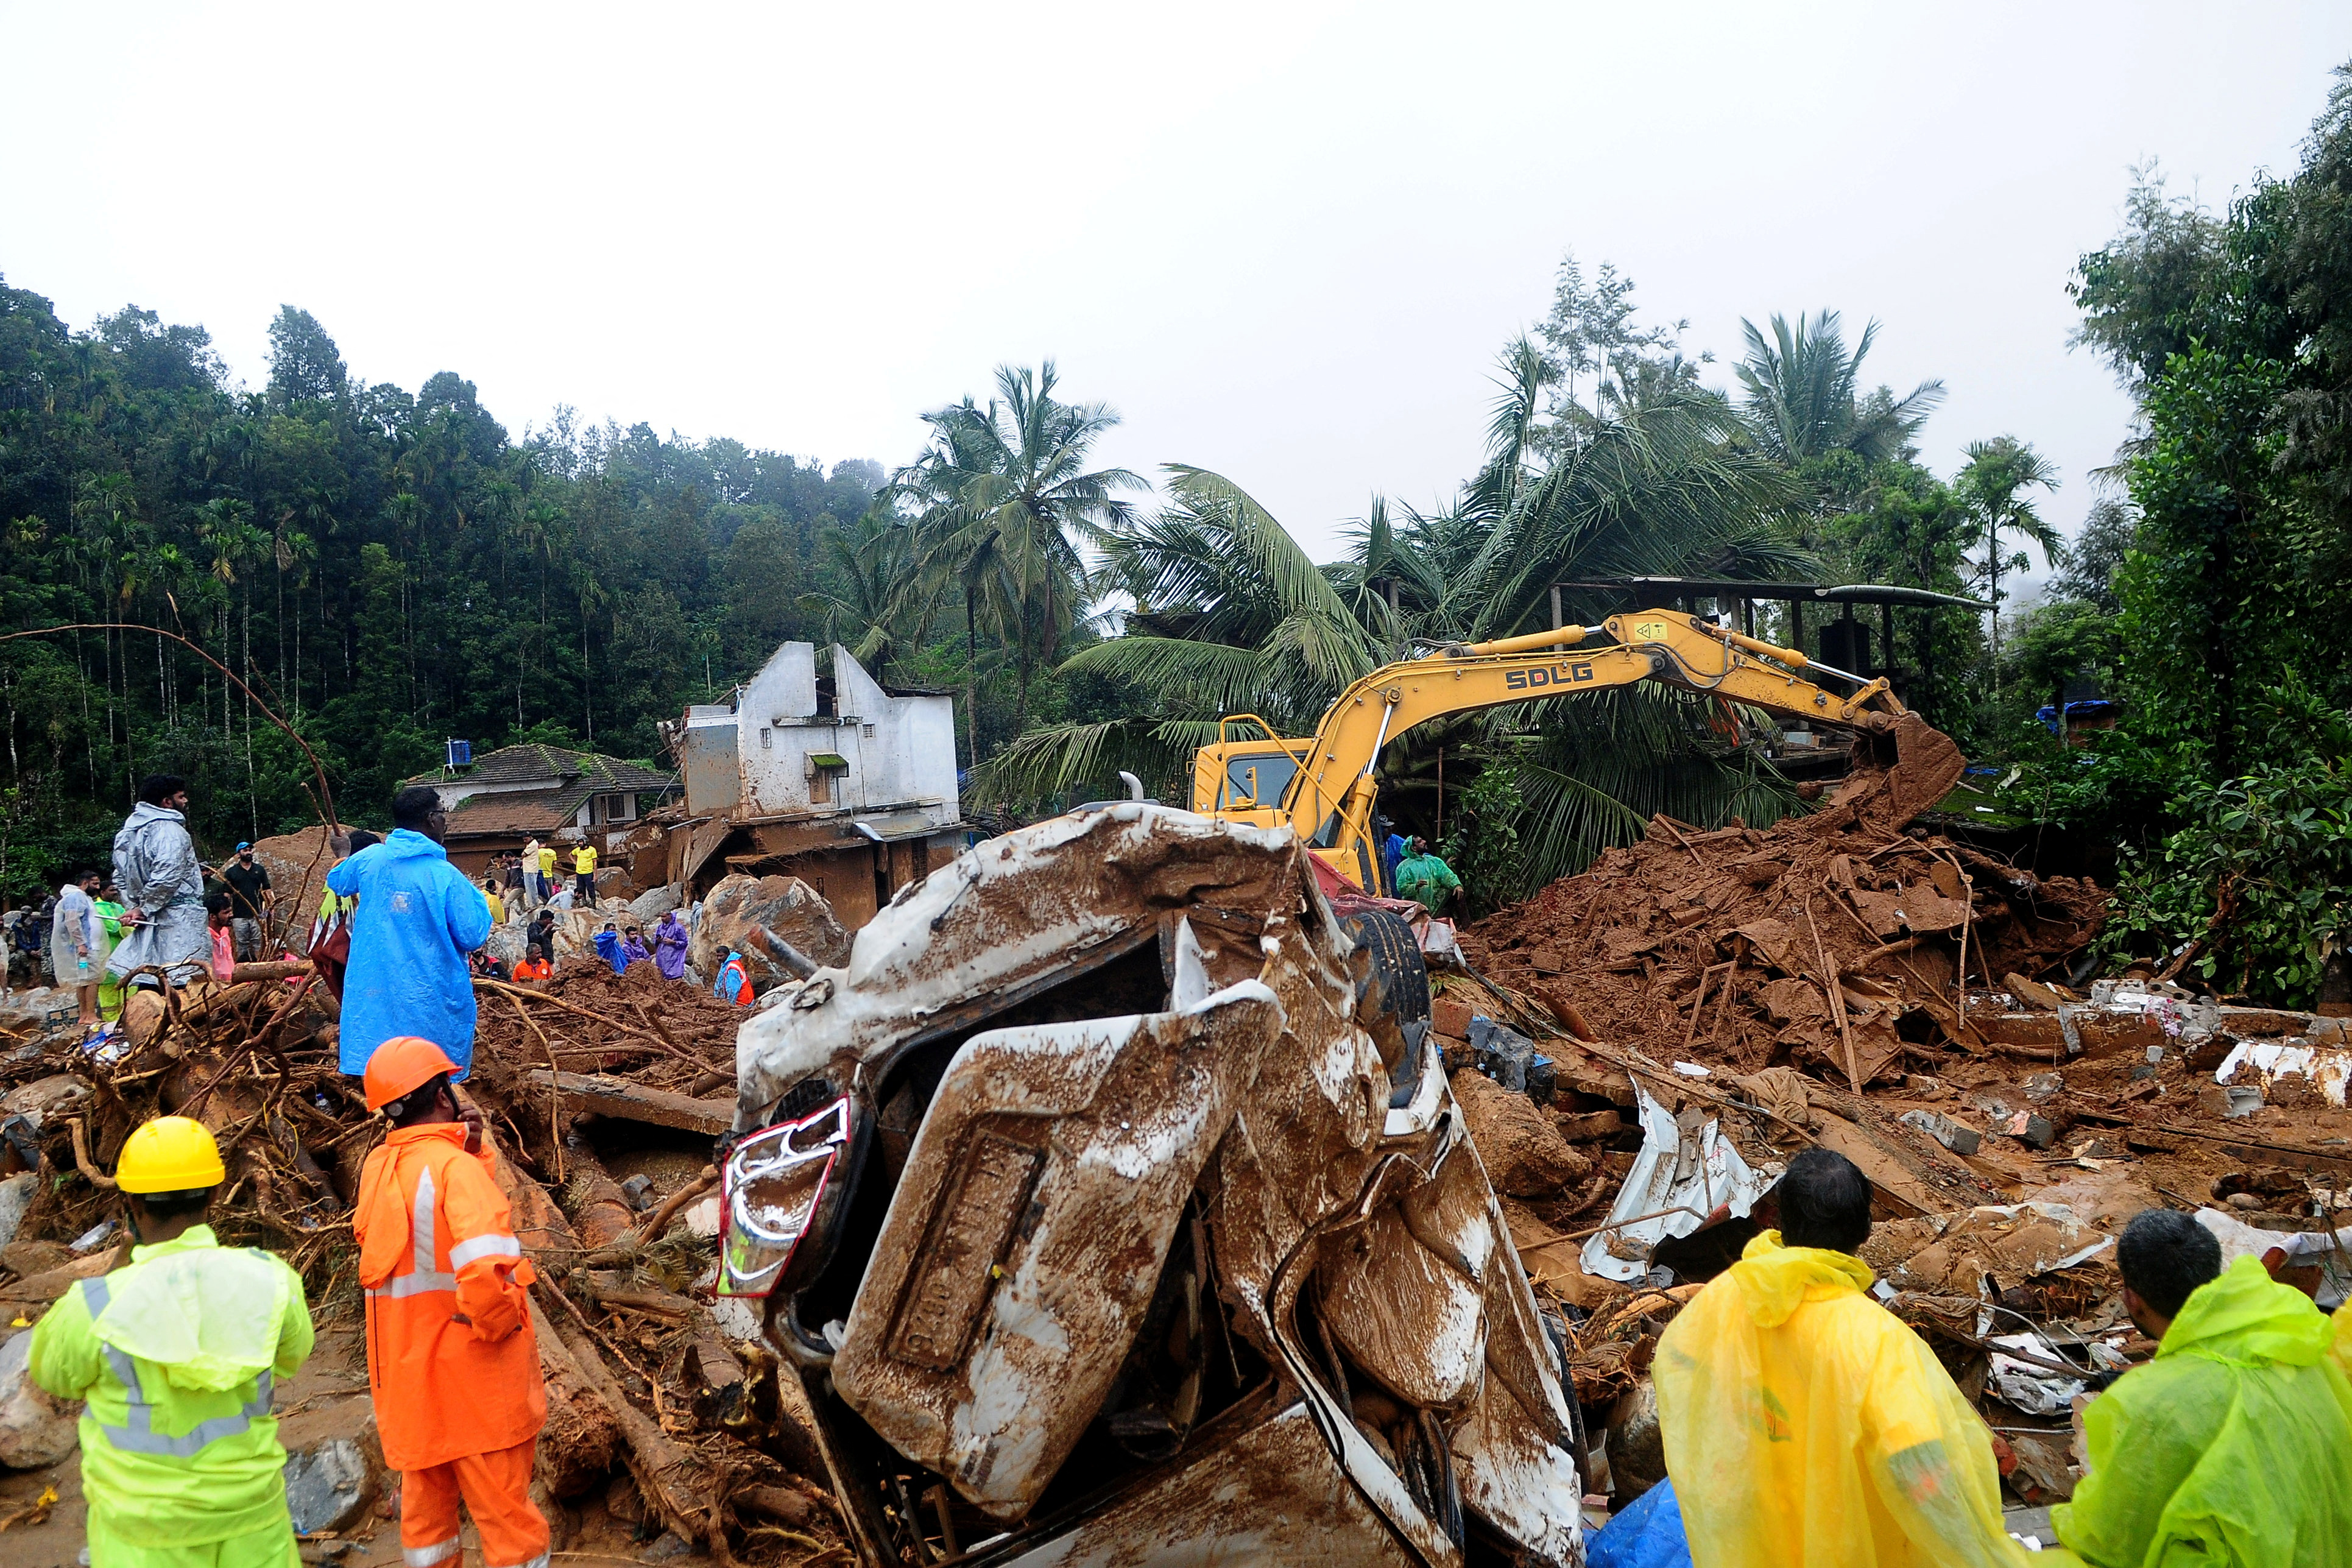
(1328,799)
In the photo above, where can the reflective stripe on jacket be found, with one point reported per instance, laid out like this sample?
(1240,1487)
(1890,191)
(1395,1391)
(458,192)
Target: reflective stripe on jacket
(452,1360)
(178,1354)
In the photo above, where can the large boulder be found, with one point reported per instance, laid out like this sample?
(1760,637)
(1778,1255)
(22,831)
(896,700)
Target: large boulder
(647,908)
(1524,1153)
(759,917)
(36,1430)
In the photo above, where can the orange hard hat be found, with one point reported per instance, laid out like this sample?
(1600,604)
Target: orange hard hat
(402,1063)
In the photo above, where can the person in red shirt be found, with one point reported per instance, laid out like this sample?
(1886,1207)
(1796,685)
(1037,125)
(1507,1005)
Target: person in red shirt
(453,1363)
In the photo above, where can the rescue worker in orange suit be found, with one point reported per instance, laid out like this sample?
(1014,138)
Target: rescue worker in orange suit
(452,1362)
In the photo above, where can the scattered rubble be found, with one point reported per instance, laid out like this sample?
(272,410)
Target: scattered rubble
(1119,1185)
(1715,1001)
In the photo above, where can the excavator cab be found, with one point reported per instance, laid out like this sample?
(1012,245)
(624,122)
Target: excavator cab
(1242,777)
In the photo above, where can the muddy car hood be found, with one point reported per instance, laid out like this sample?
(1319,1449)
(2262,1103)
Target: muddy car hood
(1012,912)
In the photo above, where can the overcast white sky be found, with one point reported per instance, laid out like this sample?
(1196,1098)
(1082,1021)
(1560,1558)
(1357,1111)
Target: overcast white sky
(1286,241)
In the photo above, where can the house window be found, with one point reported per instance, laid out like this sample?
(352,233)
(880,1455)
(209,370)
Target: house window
(822,766)
(616,808)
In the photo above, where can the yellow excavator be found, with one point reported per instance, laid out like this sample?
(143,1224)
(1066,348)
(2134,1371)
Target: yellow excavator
(1324,788)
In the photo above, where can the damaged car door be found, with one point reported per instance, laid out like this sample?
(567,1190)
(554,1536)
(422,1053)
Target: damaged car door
(1037,1210)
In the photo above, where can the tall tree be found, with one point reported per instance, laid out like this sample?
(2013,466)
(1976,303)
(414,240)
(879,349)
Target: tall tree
(1005,498)
(1992,486)
(1805,406)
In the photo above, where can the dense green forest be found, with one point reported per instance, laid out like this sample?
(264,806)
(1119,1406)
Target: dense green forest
(391,569)
(387,569)
(2211,599)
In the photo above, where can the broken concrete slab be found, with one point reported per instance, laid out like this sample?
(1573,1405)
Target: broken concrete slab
(1951,1134)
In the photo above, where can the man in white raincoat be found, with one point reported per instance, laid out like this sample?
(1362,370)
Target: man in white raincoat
(163,886)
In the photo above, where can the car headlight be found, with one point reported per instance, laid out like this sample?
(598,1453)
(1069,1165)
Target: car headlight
(774,1182)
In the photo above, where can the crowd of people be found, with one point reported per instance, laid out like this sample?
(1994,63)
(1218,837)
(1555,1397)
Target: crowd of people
(396,920)
(176,1353)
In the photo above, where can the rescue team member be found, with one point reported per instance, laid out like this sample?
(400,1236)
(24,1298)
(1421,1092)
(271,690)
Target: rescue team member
(1426,879)
(2230,1447)
(1803,1423)
(176,1352)
(584,867)
(452,1363)
(734,981)
(417,919)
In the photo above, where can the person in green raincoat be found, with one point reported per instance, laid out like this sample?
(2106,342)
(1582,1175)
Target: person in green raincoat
(177,1353)
(110,910)
(2234,1445)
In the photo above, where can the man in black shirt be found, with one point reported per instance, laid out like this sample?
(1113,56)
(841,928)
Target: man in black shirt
(249,899)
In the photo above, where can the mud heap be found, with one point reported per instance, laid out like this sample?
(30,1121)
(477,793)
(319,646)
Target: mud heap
(1832,942)
(1707,1004)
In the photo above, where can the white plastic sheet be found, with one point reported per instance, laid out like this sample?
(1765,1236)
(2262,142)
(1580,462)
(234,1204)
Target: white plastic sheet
(1681,1177)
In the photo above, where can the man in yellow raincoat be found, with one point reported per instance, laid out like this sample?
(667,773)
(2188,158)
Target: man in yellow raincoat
(2234,1445)
(1805,1426)
(177,1352)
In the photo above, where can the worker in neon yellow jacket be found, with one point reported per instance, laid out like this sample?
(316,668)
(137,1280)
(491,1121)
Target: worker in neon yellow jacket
(177,1353)
(2234,1445)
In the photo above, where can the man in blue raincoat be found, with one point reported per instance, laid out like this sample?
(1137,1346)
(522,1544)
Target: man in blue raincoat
(418,916)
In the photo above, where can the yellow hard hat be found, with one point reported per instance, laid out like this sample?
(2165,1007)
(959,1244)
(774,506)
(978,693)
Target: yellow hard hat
(169,1154)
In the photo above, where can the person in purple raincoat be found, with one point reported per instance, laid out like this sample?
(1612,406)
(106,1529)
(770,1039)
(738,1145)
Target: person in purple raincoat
(669,946)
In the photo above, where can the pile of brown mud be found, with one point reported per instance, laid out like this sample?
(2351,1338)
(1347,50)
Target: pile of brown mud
(1833,941)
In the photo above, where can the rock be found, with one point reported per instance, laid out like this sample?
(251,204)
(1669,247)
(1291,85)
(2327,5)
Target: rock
(16,1196)
(1510,1059)
(506,943)
(647,908)
(2029,1129)
(1524,1153)
(1951,1134)
(27,1258)
(56,1095)
(757,917)
(36,1430)
(332,1485)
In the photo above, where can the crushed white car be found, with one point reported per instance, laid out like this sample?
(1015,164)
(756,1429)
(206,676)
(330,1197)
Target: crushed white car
(1111,1203)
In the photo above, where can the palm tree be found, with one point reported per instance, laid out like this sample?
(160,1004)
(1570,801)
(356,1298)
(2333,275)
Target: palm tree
(1230,616)
(1003,497)
(1805,399)
(1992,486)
(872,559)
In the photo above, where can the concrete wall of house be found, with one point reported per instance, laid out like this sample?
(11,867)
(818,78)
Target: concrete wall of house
(898,750)
(707,760)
